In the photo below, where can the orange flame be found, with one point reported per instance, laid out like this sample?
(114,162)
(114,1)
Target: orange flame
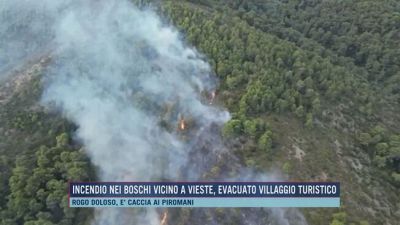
(164,218)
(182,124)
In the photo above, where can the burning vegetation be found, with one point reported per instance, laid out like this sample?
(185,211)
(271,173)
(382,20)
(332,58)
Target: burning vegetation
(182,124)
(164,218)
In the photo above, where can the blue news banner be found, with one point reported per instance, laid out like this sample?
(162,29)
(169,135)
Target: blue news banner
(204,194)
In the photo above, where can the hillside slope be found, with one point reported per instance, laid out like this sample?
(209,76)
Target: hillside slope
(313,88)
(328,116)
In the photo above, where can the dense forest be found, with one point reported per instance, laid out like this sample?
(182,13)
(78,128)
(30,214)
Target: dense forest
(263,73)
(37,160)
(320,72)
(333,67)
(313,88)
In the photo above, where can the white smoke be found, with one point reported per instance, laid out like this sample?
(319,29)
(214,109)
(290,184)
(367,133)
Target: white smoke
(25,32)
(115,69)
(118,72)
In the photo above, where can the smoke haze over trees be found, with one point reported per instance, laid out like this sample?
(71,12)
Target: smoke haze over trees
(98,90)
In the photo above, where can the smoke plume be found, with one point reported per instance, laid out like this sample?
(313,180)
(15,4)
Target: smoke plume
(131,85)
(116,71)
